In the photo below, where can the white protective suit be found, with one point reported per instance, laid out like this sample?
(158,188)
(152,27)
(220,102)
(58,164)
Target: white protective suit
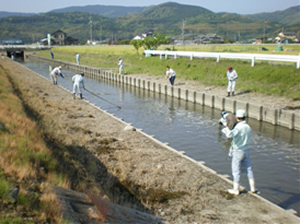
(121,66)
(77,82)
(231,76)
(56,71)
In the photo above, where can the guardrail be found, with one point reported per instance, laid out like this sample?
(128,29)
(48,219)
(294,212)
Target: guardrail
(218,56)
(5,47)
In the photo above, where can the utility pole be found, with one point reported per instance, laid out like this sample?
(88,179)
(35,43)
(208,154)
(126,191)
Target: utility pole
(264,32)
(182,34)
(91,29)
(100,34)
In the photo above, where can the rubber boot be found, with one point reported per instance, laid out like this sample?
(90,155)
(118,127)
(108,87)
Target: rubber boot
(228,94)
(236,189)
(252,186)
(80,95)
(74,96)
(232,93)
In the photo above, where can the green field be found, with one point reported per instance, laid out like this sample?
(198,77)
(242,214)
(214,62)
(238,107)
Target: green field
(278,79)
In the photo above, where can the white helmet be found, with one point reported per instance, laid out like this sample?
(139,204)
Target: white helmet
(240,113)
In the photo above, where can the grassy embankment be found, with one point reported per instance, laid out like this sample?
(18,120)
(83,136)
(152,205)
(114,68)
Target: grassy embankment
(270,79)
(26,165)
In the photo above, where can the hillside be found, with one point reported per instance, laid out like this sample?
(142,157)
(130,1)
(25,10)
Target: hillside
(7,14)
(289,16)
(38,26)
(168,18)
(108,11)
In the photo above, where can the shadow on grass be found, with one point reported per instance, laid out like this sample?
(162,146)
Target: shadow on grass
(244,92)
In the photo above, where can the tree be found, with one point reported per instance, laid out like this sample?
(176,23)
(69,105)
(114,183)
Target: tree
(153,42)
(137,44)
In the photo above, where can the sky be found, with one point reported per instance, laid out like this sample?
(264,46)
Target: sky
(230,6)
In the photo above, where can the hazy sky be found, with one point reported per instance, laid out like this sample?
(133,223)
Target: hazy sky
(232,6)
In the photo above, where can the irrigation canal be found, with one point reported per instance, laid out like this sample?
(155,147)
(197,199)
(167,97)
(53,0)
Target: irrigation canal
(194,129)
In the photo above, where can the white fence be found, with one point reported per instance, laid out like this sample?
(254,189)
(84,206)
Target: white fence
(218,56)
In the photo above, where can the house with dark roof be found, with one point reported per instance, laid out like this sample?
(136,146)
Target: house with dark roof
(60,38)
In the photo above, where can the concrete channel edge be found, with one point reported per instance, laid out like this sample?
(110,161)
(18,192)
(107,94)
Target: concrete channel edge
(201,164)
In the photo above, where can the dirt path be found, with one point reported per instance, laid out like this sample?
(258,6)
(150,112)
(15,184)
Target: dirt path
(130,169)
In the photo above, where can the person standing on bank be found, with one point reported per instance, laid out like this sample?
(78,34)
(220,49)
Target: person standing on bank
(77,58)
(56,71)
(52,55)
(171,74)
(13,56)
(240,135)
(231,76)
(77,82)
(121,66)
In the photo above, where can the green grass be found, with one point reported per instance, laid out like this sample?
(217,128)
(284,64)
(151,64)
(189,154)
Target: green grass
(231,48)
(4,187)
(280,79)
(23,152)
(14,220)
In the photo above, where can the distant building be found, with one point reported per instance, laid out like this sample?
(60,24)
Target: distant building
(60,38)
(285,37)
(71,40)
(142,35)
(259,40)
(208,38)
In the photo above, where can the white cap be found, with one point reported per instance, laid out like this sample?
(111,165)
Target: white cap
(240,113)
(59,67)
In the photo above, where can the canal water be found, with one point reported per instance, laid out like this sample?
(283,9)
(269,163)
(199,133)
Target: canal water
(194,129)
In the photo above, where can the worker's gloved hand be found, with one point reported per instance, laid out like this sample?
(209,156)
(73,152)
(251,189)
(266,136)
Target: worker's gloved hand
(225,130)
(62,75)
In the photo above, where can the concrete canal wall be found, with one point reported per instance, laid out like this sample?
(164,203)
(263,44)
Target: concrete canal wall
(98,73)
(278,117)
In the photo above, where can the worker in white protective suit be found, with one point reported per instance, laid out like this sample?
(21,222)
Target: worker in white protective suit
(55,72)
(77,82)
(240,135)
(232,77)
(171,74)
(121,69)
(77,58)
